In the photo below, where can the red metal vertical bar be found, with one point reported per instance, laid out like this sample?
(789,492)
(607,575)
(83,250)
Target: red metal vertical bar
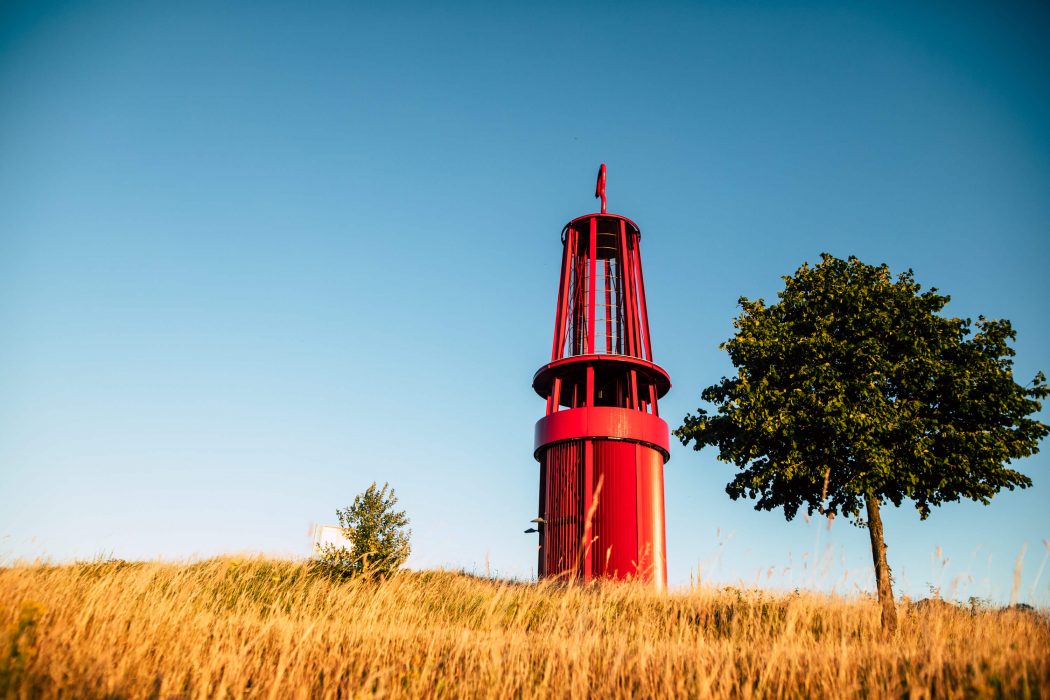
(590,386)
(557,518)
(579,329)
(645,310)
(649,465)
(618,289)
(551,544)
(578,296)
(574,535)
(578,292)
(651,469)
(556,497)
(592,287)
(632,292)
(571,292)
(608,309)
(625,284)
(652,398)
(576,299)
(643,514)
(636,314)
(560,507)
(541,569)
(634,389)
(563,291)
(588,502)
(562,498)
(554,507)
(556,394)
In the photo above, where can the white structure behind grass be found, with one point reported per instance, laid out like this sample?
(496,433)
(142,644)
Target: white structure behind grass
(323,535)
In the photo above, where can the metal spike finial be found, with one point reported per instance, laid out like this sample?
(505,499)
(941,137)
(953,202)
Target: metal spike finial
(599,188)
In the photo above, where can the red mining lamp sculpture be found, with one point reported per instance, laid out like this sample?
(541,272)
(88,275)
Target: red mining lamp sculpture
(602,445)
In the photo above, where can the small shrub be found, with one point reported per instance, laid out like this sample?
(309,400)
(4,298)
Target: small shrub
(378,535)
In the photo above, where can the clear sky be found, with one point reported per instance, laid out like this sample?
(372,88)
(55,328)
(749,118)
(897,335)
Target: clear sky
(254,256)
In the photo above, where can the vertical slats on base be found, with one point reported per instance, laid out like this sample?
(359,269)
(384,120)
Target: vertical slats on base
(626,537)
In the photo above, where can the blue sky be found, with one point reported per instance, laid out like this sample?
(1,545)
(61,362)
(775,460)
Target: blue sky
(254,256)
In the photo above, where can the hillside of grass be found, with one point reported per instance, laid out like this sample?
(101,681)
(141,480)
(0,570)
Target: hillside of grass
(258,628)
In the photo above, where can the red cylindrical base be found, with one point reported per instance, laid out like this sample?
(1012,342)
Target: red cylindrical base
(602,503)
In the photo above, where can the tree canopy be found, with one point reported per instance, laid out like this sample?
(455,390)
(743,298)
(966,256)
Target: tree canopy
(852,390)
(853,385)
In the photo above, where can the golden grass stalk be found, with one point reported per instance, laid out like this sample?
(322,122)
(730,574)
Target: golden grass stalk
(258,628)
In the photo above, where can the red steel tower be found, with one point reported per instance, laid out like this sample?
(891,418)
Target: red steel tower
(602,444)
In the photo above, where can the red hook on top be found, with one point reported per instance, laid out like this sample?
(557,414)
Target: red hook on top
(599,189)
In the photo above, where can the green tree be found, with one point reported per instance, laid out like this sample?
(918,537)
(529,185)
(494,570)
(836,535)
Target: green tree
(377,533)
(852,391)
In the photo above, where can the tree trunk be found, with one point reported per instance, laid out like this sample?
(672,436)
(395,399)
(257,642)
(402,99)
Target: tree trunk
(882,569)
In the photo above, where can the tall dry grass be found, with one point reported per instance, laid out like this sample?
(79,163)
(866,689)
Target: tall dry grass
(270,629)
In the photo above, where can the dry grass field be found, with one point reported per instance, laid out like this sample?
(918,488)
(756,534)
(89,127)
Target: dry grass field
(270,629)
